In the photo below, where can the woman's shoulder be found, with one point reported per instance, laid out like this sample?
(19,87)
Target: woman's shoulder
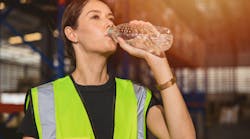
(50,82)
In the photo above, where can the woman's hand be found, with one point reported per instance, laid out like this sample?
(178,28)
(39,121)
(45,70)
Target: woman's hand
(155,58)
(143,47)
(158,64)
(147,41)
(140,51)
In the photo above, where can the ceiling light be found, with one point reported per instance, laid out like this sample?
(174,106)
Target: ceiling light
(28,38)
(33,37)
(15,40)
(25,1)
(2,6)
(56,33)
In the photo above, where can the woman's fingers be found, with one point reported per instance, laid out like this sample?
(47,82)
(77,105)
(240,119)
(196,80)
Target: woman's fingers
(130,49)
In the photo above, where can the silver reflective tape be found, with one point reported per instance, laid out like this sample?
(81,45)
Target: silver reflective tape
(140,92)
(46,108)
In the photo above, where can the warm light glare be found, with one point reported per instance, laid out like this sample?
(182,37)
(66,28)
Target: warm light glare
(24,1)
(56,33)
(33,37)
(28,38)
(2,6)
(15,40)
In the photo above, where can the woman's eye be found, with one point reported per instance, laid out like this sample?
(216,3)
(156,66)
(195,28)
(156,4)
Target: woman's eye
(95,17)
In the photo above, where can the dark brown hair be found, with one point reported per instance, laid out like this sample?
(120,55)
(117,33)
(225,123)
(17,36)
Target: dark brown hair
(70,17)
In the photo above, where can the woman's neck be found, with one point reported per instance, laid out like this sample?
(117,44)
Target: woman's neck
(91,71)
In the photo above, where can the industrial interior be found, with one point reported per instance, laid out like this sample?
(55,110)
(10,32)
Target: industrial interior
(210,57)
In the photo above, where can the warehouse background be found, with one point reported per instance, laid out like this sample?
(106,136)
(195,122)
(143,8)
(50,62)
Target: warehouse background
(210,57)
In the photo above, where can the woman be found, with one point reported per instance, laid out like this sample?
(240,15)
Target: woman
(91,104)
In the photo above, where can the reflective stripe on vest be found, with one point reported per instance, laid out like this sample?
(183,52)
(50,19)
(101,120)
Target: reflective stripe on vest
(59,111)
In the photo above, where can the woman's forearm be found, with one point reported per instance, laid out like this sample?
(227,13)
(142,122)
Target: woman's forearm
(177,116)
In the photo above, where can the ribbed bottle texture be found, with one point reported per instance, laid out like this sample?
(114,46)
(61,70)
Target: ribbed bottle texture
(148,35)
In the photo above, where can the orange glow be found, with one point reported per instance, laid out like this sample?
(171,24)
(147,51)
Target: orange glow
(61,2)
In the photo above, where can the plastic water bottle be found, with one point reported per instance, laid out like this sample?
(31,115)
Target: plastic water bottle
(148,35)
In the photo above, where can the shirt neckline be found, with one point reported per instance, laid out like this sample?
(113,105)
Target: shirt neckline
(107,85)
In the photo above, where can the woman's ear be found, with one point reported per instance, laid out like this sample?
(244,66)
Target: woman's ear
(70,34)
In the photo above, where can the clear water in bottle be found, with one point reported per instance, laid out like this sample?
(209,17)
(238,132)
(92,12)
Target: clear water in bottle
(149,35)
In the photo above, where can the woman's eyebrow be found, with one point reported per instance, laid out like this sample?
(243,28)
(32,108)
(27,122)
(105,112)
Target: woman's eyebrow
(97,11)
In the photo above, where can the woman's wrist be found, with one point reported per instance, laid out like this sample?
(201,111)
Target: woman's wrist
(161,69)
(167,84)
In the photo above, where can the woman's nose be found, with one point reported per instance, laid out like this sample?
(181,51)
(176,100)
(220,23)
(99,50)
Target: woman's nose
(109,24)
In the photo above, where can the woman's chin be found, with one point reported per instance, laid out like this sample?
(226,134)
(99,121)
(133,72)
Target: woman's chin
(112,46)
(109,49)
(112,49)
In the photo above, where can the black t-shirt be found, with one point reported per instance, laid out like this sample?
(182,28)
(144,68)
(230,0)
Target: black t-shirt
(99,104)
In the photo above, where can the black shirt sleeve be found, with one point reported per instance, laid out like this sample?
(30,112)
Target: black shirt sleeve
(28,126)
(154,101)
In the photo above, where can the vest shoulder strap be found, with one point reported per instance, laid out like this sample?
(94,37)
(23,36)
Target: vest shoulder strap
(143,97)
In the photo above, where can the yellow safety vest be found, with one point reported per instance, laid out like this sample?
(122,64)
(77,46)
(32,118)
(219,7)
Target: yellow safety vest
(59,112)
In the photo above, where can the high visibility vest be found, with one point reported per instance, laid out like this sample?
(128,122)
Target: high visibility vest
(60,114)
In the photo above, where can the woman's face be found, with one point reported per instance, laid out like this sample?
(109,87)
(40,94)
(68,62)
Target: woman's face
(95,19)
